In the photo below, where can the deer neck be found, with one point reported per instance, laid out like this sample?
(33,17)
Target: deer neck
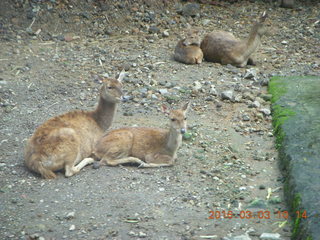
(174,140)
(252,42)
(104,113)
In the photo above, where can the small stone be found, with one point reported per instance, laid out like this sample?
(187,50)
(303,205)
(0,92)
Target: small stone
(227,95)
(265,111)
(213,90)
(154,29)
(270,236)
(142,234)
(163,91)
(197,86)
(284,42)
(72,227)
(165,33)
(206,22)
(245,117)
(251,74)
(70,215)
(256,104)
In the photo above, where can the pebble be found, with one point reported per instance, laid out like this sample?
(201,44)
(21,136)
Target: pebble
(72,227)
(270,236)
(227,95)
(197,86)
(241,237)
(251,74)
(163,91)
(265,111)
(70,215)
(165,33)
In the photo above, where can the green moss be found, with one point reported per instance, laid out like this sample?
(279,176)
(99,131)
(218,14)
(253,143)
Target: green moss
(277,88)
(279,114)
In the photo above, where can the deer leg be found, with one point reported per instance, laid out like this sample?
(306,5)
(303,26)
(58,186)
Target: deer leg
(159,160)
(115,162)
(71,170)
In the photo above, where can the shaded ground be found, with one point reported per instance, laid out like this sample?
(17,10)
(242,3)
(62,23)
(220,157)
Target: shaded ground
(229,162)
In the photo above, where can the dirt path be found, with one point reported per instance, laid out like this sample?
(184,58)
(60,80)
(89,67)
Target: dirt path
(229,162)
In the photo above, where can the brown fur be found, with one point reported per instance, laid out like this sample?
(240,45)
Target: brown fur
(188,50)
(63,141)
(148,147)
(224,48)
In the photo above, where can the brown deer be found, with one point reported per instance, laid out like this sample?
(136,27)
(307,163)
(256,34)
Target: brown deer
(63,141)
(188,50)
(224,48)
(147,147)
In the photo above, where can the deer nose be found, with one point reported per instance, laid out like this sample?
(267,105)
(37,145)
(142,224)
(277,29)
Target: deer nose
(183,130)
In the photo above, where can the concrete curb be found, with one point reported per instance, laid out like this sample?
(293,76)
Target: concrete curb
(296,121)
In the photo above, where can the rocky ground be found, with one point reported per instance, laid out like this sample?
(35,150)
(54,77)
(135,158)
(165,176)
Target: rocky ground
(52,56)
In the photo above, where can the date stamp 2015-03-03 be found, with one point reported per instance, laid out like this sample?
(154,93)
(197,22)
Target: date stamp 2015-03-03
(247,214)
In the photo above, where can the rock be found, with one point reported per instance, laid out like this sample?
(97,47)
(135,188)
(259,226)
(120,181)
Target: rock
(142,234)
(191,10)
(154,29)
(165,33)
(257,203)
(196,86)
(72,227)
(163,91)
(205,22)
(241,237)
(245,117)
(70,215)
(270,236)
(255,104)
(227,95)
(251,74)
(265,111)
(213,90)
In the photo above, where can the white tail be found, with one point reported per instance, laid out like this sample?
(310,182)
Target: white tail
(63,141)
(147,147)
(224,48)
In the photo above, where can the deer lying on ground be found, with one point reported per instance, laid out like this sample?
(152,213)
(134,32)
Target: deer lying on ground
(188,50)
(224,48)
(63,141)
(147,147)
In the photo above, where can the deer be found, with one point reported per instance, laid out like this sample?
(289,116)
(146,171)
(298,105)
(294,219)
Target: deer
(63,141)
(145,146)
(188,50)
(223,47)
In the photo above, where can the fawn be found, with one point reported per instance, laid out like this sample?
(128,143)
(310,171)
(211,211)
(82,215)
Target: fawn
(188,50)
(224,48)
(147,147)
(63,141)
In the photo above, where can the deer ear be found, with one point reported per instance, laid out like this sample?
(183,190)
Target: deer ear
(185,107)
(263,16)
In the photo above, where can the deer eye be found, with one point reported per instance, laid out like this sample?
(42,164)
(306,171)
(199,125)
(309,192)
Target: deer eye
(173,119)
(185,118)
(110,87)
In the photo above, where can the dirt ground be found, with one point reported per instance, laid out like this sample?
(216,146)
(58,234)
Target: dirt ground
(228,163)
